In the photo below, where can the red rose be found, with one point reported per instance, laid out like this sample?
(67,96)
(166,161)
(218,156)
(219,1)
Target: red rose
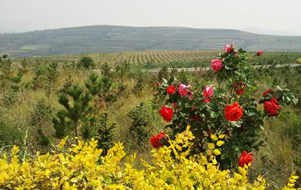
(229,49)
(271,107)
(216,65)
(171,90)
(166,113)
(245,159)
(259,53)
(156,141)
(233,112)
(267,92)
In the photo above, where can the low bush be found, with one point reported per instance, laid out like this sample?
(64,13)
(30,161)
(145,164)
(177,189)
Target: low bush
(83,167)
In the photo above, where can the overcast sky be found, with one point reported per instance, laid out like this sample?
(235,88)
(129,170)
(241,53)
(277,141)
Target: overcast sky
(28,15)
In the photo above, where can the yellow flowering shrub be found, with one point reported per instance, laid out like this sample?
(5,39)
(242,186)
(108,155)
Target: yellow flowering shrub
(83,167)
(299,60)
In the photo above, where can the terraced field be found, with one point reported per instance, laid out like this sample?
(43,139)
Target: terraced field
(151,57)
(147,58)
(171,58)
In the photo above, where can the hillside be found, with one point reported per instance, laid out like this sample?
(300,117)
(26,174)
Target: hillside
(121,38)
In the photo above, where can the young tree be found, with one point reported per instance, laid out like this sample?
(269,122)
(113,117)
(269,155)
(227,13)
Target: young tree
(102,90)
(86,62)
(76,111)
(51,77)
(101,130)
(10,80)
(142,122)
(41,114)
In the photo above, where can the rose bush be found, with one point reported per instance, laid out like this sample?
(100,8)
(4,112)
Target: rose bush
(231,110)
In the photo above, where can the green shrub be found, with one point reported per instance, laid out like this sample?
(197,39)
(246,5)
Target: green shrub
(86,62)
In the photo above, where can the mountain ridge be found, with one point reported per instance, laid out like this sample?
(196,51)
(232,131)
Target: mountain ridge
(114,38)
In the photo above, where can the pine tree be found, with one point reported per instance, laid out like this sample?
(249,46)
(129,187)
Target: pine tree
(94,84)
(24,65)
(75,113)
(67,85)
(142,123)
(10,79)
(137,90)
(51,77)
(38,79)
(41,114)
(100,130)
(101,89)
(86,62)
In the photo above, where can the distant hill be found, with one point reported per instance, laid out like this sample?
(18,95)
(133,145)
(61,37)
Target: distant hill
(107,38)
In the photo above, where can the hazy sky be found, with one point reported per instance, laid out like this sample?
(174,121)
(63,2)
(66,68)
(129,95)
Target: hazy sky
(27,15)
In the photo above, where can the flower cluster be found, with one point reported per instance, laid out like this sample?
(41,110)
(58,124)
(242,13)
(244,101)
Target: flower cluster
(83,167)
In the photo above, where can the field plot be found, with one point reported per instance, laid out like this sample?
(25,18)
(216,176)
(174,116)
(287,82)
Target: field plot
(170,58)
(155,58)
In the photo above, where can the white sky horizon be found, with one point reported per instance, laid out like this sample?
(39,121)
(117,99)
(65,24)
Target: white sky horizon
(261,16)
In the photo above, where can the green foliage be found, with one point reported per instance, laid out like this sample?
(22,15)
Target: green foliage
(12,132)
(40,116)
(94,84)
(102,90)
(67,85)
(163,74)
(138,88)
(75,113)
(10,79)
(51,77)
(38,81)
(25,65)
(142,124)
(86,62)
(122,71)
(101,130)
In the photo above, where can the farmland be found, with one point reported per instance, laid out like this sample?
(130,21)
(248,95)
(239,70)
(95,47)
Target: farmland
(170,58)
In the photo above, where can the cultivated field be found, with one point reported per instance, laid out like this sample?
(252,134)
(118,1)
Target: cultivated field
(157,59)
